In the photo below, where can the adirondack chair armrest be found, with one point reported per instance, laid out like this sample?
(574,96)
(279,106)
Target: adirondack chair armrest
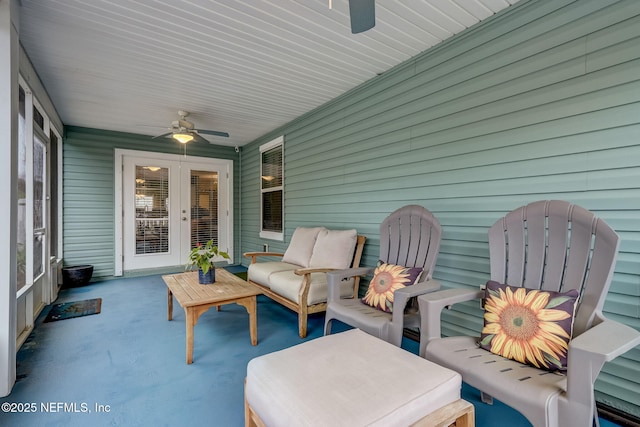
(436,301)
(255,255)
(590,350)
(418,289)
(605,341)
(336,276)
(401,296)
(431,306)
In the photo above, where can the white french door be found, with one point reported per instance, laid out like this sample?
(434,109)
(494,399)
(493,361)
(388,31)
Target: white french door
(171,204)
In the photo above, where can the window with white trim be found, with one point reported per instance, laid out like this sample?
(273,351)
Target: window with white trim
(272,189)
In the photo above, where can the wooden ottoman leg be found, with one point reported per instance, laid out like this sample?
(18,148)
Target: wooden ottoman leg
(251,419)
(248,420)
(459,414)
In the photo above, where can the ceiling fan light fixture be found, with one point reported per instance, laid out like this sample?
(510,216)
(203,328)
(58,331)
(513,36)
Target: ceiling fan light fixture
(184,131)
(183,138)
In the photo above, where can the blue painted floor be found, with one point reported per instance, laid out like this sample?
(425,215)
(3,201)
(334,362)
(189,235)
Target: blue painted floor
(126,365)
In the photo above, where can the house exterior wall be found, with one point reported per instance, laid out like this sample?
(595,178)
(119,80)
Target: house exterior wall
(540,102)
(89,193)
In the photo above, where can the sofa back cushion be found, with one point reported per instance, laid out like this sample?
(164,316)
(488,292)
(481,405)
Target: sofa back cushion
(301,246)
(334,249)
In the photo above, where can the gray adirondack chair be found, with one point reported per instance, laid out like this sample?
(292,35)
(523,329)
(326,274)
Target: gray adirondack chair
(549,245)
(409,236)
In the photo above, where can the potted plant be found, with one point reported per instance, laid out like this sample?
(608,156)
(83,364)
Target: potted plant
(204,256)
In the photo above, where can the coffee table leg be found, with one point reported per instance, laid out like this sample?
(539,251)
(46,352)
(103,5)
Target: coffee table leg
(169,304)
(253,322)
(190,322)
(250,304)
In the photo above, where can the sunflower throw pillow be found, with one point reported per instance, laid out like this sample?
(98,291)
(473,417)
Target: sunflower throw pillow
(528,325)
(386,279)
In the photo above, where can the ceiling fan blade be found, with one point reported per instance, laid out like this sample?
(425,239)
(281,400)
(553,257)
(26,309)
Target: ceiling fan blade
(363,15)
(163,135)
(198,138)
(213,132)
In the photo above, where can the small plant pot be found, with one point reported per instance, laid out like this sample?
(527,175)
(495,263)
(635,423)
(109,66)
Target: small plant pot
(208,278)
(77,275)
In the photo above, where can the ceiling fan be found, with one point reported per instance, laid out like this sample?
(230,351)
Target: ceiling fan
(362,14)
(184,131)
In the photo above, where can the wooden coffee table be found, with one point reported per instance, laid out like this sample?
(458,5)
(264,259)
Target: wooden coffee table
(196,299)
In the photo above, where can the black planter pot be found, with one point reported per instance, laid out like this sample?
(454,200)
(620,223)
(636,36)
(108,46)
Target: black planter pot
(208,278)
(77,275)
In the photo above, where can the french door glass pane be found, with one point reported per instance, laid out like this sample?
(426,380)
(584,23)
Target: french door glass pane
(22,192)
(38,254)
(152,210)
(39,204)
(39,161)
(204,207)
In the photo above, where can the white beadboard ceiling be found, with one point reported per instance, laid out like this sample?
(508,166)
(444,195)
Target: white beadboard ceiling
(241,66)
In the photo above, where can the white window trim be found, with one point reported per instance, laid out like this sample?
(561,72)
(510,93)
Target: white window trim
(59,206)
(266,147)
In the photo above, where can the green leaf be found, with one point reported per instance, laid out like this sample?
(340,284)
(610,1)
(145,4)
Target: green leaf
(203,256)
(554,302)
(493,293)
(552,360)
(487,340)
(389,305)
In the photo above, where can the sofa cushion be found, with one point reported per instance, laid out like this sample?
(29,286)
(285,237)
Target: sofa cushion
(259,272)
(387,278)
(528,325)
(288,285)
(301,246)
(334,249)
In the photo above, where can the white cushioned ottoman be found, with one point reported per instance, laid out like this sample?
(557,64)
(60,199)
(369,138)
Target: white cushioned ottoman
(350,379)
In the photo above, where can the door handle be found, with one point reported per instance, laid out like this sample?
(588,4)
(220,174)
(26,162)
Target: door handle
(184,218)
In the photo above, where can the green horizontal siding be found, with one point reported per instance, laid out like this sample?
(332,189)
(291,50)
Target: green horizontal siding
(89,194)
(539,102)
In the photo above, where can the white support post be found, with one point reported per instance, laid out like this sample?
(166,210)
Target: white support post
(9,51)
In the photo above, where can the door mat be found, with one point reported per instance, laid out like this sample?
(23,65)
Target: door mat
(69,310)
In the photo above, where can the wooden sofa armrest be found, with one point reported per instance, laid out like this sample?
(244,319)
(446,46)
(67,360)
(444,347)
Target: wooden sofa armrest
(254,255)
(306,282)
(306,272)
(303,271)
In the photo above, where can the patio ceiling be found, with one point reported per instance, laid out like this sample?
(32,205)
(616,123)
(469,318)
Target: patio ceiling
(244,67)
